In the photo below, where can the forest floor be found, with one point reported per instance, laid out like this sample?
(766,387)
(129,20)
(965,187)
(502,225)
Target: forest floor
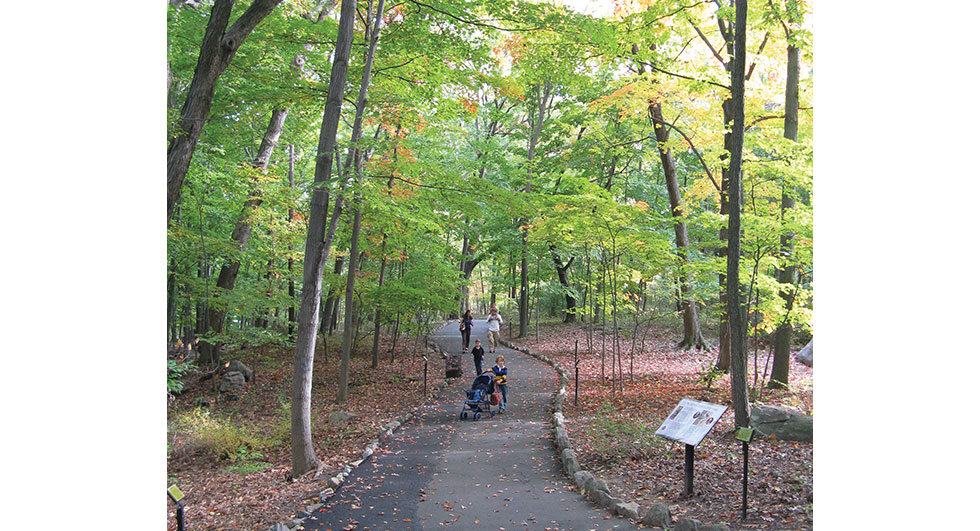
(613,432)
(232,458)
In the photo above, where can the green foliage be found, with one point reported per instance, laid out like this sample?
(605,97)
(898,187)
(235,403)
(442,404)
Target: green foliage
(176,370)
(447,130)
(616,438)
(198,430)
(708,374)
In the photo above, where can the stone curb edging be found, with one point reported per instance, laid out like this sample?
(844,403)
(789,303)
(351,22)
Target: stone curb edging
(334,482)
(593,488)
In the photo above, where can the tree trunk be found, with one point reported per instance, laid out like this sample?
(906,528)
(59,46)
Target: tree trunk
(289,263)
(348,339)
(209,352)
(217,50)
(736,317)
(332,301)
(349,309)
(562,271)
(724,361)
(692,328)
(787,276)
(377,312)
(535,122)
(317,250)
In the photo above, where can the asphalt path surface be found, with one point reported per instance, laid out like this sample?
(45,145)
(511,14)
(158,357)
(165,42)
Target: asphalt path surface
(440,472)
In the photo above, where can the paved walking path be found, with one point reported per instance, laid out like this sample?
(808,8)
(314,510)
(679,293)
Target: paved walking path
(439,472)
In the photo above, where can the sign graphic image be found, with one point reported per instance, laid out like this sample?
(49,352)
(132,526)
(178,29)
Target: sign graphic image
(690,421)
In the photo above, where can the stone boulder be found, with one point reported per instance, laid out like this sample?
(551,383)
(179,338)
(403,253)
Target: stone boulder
(658,516)
(340,417)
(687,524)
(782,422)
(232,383)
(805,356)
(627,510)
(237,366)
(454,366)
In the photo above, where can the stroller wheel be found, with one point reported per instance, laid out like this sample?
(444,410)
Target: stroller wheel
(462,415)
(476,416)
(492,413)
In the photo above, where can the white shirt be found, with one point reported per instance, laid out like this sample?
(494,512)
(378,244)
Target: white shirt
(495,323)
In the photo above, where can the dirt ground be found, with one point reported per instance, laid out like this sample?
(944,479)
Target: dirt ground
(612,432)
(254,491)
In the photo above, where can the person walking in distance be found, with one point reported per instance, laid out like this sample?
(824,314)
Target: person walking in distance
(465,327)
(493,334)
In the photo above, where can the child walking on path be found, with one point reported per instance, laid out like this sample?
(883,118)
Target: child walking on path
(500,376)
(478,357)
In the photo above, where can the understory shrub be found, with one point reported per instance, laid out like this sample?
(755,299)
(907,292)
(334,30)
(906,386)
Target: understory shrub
(615,438)
(198,430)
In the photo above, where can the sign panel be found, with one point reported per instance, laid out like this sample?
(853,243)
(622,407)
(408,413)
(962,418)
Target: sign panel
(175,493)
(690,421)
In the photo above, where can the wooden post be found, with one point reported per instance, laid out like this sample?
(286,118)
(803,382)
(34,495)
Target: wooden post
(576,373)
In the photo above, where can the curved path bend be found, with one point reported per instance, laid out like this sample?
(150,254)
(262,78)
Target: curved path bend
(439,472)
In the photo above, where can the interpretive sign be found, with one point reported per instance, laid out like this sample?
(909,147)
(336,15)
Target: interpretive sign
(690,421)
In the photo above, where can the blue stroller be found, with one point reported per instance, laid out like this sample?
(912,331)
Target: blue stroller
(478,397)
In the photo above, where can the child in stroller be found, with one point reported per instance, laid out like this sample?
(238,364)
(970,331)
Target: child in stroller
(478,397)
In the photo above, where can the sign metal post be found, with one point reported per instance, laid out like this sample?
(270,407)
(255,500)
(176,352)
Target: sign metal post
(745,435)
(174,493)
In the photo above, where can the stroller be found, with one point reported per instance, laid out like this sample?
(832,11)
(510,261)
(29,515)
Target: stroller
(478,397)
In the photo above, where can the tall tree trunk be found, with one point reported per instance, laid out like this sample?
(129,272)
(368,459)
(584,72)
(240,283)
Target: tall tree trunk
(209,352)
(784,335)
(542,101)
(349,310)
(289,263)
(736,316)
(692,328)
(317,250)
(217,50)
(562,271)
(358,155)
(332,301)
(377,311)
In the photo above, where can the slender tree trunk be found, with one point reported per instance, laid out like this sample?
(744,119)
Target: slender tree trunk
(692,328)
(724,361)
(377,311)
(332,301)
(736,317)
(289,263)
(317,250)
(536,122)
(562,271)
(219,47)
(358,155)
(784,335)
(348,338)
(209,352)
